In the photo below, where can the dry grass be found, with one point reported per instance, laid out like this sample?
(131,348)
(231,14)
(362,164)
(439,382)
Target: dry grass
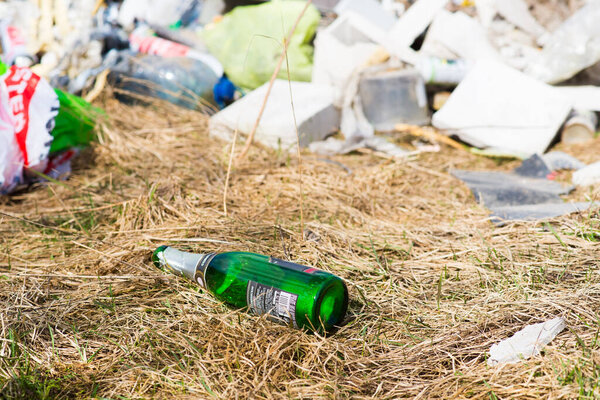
(433,284)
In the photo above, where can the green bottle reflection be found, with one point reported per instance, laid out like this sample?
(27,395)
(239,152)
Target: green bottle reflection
(300,296)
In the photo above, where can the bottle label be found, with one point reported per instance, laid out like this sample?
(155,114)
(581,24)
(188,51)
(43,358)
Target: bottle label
(201,269)
(276,303)
(291,265)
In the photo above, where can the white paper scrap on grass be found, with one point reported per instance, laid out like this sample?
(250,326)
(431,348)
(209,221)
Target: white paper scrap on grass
(496,106)
(525,343)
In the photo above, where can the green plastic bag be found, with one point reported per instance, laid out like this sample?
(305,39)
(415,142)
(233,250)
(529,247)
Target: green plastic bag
(75,123)
(249,41)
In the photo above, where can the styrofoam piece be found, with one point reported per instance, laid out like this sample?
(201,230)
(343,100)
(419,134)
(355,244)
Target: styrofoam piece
(369,9)
(526,343)
(462,35)
(410,25)
(497,106)
(582,97)
(315,114)
(587,176)
(486,11)
(517,13)
(515,46)
(341,49)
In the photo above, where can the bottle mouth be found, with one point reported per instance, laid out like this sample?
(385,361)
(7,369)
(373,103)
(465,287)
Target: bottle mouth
(332,305)
(155,258)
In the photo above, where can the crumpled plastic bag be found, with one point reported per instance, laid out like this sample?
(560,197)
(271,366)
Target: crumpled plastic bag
(28,106)
(75,123)
(248,42)
(574,46)
(158,12)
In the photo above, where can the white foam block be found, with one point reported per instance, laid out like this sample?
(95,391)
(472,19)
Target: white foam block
(582,97)
(410,25)
(496,106)
(313,105)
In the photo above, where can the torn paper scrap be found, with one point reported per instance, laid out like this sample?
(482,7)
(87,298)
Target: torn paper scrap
(525,343)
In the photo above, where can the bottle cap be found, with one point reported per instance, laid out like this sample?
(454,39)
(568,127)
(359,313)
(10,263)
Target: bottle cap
(177,262)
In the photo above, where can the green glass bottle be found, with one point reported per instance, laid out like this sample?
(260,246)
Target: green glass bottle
(290,293)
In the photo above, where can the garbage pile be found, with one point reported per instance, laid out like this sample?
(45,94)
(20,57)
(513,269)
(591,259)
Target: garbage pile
(505,77)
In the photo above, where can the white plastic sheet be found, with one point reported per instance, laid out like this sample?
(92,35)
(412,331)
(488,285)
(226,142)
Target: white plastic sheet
(574,46)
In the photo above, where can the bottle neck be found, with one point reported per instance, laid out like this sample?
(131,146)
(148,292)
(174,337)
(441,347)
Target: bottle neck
(189,265)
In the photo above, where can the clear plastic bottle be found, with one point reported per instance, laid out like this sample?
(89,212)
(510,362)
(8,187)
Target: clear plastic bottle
(184,81)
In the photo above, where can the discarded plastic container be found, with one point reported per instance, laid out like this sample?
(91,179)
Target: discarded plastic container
(180,80)
(290,293)
(390,97)
(580,127)
(442,71)
(142,40)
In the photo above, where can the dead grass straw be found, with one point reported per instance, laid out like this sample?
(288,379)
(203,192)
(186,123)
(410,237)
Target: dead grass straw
(433,283)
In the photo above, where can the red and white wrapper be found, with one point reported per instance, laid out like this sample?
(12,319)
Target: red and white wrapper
(28,106)
(143,41)
(13,43)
